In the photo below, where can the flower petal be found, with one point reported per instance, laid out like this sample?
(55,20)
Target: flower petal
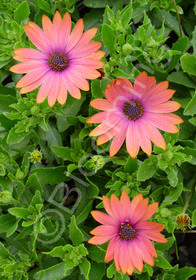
(154,135)
(143,138)
(147,225)
(110,249)
(49,32)
(103,138)
(32,76)
(77,79)
(104,219)
(166,107)
(101,104)
(125,203)
(73,90)
(161,121)
(106,125)
(151,209)
(117,209)
(26,67)
(123,256)
(139,211)
(97,118)
(132,142)
(100,239)
(154,90)
(156,236)
(37,36)
(119,138)
(75,35)
(25,55)
(143,84)
(134,253)
(160,97)
(104,230)
(45,87)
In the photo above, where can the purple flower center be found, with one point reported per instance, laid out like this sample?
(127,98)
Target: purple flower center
(58,61)
(127,232)
(133,110)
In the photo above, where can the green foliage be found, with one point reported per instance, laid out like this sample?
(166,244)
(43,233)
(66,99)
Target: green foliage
(52,174)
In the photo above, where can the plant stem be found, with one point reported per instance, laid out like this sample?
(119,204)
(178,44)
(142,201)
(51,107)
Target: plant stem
(189,196)
(178,16)
(97,197)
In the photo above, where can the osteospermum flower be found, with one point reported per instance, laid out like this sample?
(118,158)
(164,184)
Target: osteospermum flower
(135,113)
(64,60)
(129,232)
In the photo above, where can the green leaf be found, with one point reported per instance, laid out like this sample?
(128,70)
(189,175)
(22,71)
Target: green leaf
(22,12)
(188,63)
(131,165)
(185,272)
(173,195)
(54,272)
(6,100)
(33,184)
(108,37)
(44,5)
(19,212)
(84,214)
(191,106)
(4,253)
(75,234)
(111,270)
(162,263)
(181,45)
(85,267)
(194,218)
(96,253)
(51,175)
(147,169)
(126,14)
(57,252)
(14,138)
(97,271)
(8,223)
(97,3)
(181,79)
(63,152)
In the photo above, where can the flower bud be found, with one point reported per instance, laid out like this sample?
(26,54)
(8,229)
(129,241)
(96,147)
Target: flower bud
(183,221)
(127,49)
(35,110)
(36,156)
(164,212)
(5,197)
(95,163)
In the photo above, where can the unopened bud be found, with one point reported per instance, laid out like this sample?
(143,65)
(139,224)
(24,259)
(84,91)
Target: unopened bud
(183,221)
(127,49)
(36,156)
(35,110)
(5,197)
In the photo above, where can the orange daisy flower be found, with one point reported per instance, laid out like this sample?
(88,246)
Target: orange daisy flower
(134,113)
(129,232)
(63,62)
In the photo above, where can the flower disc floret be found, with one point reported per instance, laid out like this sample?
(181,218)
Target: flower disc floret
(126,231)
(133,110)
(58,61)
